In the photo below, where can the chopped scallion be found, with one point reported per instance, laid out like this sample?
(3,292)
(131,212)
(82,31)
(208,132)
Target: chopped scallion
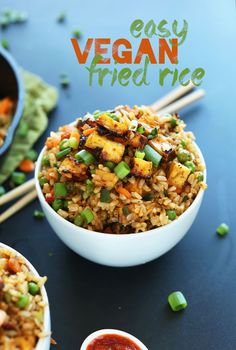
(87,215)
(122,170)
(85,157)
(105,196)
(177,301)
(152,155)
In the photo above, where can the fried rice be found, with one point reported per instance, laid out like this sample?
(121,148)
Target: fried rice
(121,171)
(21,303)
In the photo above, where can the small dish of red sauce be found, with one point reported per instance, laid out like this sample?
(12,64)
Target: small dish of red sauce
(112,342)
(111,339)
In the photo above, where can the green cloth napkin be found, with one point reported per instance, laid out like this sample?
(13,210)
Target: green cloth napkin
(40,98)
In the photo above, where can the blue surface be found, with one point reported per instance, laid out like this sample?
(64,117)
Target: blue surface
(83,296)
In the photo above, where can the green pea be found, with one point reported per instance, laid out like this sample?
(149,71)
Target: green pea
(23,301)
(171,214)
(42,181)
(45,161)
(33,288)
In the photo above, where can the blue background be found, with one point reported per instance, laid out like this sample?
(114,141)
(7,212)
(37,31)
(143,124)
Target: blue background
(83,296)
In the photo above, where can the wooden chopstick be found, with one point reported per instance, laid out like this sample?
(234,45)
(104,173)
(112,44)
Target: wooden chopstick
(183,102)
(172,96)
(18,205)
(18,191)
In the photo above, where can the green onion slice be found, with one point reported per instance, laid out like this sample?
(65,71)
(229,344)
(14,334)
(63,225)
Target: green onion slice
(177,301)
(122,170)
(152,155)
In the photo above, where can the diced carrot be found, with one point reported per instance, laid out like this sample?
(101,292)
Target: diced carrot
(26,165)
(53,341)
(49,197)
(5,105)
(76,135)
(52,174)
(14,265)
(124,191)
(52,142)
(89,131)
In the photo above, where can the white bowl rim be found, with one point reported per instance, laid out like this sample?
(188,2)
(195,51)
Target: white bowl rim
(100,332)
(122,236)
(46,321)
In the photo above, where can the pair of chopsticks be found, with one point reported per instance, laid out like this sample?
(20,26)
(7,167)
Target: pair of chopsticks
(168,104)
(29,187)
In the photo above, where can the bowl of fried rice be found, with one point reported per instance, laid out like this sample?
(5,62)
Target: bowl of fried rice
(121,187)
(24,309)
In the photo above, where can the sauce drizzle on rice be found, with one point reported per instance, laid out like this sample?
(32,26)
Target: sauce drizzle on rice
(125,170)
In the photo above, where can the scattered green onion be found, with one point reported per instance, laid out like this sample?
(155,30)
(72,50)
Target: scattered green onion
(45,161)
(183,143)
(42,181)
(200,177)
(78,221)
(63,153)
(60,190)
(177,301)
(171,214)
(65,205)
(184,156)
(77,33)
(39,214)
(110,165)
(125,211)
(57,204)
(33,288)
(153,134)
(139,154)
(23,301)
(87,215)
(122,170)
(96,114)
(148,197)
(2,191)
(223,229)
(61,17)
(114,116)
(173,122)
(152,155)
(89,186)
(141,130)
(165,192)
(191,166)
(64,80)
(85,156)
(73,142)
(18,178)
(64,144)
(5,44)
(105,196)
(32,155)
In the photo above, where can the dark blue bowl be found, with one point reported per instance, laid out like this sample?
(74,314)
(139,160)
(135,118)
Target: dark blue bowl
(11,84)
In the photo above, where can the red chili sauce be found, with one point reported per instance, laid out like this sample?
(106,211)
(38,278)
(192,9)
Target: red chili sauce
(112,342)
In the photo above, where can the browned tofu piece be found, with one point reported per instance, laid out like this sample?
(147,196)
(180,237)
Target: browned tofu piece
(104,179)
(70,168)
(142,168)
(113,151)
(137,140)
(163,147)
(95,140)
(112,125)
(178,174)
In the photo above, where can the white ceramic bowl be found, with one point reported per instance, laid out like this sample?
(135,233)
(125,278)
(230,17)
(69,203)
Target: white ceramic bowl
(112,331)
(43,343)
(120,250)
